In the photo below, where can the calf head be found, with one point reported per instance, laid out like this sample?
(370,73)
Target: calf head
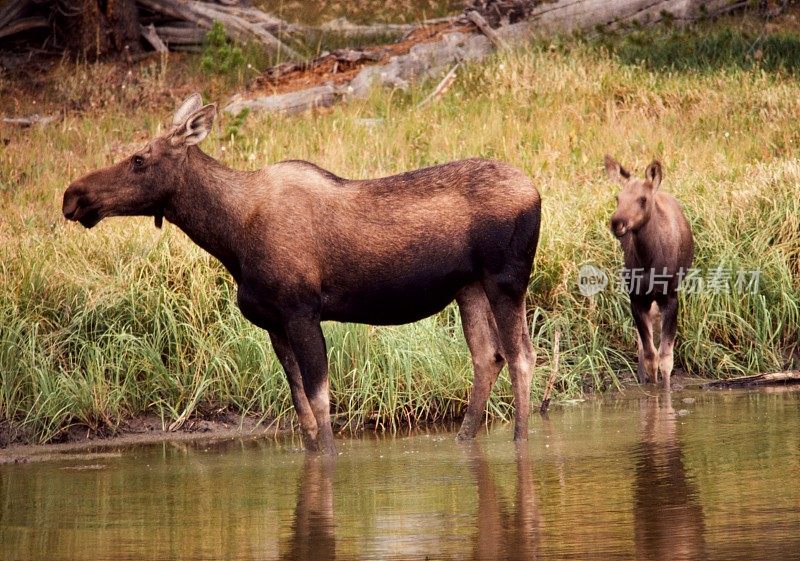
(143,183)
(636,198)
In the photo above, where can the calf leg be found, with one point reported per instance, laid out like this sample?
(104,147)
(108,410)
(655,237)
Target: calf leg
(647,368)
(308,345)
(308,423)
(669,328)
(484,345)
(508,308)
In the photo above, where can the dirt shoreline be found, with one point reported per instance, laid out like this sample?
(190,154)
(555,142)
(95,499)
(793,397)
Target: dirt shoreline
(144,429)
(80,442)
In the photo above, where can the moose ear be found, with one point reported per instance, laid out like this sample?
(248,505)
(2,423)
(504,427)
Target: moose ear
(615,171)
(653,173)
(196,126)
(189,106)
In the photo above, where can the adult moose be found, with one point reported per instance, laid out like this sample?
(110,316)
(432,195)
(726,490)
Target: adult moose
(658,248)
(304,246)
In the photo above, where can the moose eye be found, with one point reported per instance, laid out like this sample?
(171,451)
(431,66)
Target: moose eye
(643,201)
(138,161)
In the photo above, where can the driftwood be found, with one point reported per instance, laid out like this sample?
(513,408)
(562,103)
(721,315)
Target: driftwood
(31,120)
(13,10)
(174,35)
(486,29)
(774,378)
(582,15)
(343,57)
(428,60)
(181,24)
(293,102)
(24,24)
(342,26)
(149,33)
(204,14)
(503,12)
(441,88)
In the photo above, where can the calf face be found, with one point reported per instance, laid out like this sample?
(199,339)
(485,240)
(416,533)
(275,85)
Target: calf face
(636,198)
(141,184)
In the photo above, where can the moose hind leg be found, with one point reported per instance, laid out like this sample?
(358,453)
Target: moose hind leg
(486,349)
(642,312)
(669,329)
(308,344)
(508,308)
(308,423)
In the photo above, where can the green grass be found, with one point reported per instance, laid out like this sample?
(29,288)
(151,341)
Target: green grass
(97,326)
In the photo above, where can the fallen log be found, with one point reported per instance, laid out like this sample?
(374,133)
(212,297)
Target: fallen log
(149,33)
(343,57)
(204,15)
(774,378)
(441,88)
(24,24)
(486,29)
(427,60)
(174,35)
(293,102)
(12,10)
(582,15)
(31,120)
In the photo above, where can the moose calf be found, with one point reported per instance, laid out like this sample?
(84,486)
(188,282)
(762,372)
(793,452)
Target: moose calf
(304,246)
(658,248)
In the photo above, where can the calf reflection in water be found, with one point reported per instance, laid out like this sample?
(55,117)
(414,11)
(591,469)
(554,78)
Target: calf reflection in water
(668,516)
(506,529)
(312,529)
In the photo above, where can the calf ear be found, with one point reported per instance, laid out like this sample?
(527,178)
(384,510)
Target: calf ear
(189,106)
(615,171)
(653,173)
(196,126)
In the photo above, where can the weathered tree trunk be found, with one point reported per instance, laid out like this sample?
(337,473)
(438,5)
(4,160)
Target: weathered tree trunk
(580,15)
(95,29)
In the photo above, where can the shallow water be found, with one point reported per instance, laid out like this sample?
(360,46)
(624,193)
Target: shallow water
(632,478)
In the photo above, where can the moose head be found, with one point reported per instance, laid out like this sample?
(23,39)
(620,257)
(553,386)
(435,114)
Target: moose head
(145,182)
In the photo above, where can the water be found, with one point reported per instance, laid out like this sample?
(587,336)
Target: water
(633,478)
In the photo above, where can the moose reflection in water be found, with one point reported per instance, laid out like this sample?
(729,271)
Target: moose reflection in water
(313,528)
(668,517)
(507,529)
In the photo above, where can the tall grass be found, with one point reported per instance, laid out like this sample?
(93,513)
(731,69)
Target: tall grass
(100,325)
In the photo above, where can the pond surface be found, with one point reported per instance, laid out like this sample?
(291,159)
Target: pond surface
(698,476)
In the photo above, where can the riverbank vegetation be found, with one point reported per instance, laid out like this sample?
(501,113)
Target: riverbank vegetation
(98,326)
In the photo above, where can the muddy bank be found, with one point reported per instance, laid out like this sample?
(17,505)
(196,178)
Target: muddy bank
(15,444)
(81,442)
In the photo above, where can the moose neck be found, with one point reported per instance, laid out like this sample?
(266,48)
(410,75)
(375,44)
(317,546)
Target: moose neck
(208,205)
(644,247)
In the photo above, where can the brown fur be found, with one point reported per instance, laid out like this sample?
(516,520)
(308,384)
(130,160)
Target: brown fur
(657,239)
(306,246)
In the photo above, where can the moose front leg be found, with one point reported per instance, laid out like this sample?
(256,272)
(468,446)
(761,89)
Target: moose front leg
(647,369)
(305,337)
(305,415)
(669,328)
